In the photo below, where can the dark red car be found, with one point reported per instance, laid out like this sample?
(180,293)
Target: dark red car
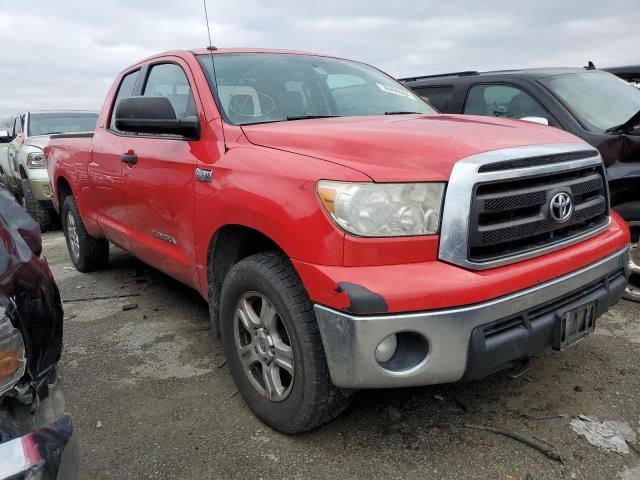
(36,436)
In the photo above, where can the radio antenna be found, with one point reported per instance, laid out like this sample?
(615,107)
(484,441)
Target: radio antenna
(211,49)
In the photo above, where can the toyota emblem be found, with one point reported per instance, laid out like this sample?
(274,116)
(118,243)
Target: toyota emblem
(561,207)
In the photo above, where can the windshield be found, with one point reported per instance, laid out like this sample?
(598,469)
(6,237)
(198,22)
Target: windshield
(61,122)
(600,100)
(258,88)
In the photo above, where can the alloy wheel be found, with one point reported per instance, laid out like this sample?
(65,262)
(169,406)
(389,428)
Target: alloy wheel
(72,233)
(264,346)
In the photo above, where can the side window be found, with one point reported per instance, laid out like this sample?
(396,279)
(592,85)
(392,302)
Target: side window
(502,101)
(168,80)
(17,126)
(438,96)
(125,91)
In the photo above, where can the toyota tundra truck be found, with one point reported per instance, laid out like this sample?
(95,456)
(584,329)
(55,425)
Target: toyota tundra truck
(344,234)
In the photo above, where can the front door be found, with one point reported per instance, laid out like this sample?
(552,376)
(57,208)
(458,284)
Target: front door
(159,173)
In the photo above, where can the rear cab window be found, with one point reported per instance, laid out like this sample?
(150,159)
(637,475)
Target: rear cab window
(125,90)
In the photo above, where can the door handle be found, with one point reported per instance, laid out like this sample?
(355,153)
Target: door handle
(131,159)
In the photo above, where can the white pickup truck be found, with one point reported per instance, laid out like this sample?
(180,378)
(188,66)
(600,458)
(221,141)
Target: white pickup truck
(23,169)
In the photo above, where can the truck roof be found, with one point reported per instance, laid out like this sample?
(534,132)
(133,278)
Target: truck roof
(533,73)
(222,51)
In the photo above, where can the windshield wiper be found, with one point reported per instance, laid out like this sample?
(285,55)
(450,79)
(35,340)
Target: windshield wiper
(307,117)
(626,126)
(401,112)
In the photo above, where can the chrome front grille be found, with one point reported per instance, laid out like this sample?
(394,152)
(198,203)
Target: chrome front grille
(498,204)
(512,216)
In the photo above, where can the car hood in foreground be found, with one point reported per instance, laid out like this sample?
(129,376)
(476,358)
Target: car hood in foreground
(401,147)
(28,292)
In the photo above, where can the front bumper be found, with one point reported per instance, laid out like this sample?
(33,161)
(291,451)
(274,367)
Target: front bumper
(451,348)
(41,445)
(41,189)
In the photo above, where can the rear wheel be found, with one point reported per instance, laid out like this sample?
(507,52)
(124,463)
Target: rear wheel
(45,217)
(87,253)
(273,345)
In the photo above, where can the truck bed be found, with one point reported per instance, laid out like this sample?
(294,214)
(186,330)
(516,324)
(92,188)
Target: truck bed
(67,152)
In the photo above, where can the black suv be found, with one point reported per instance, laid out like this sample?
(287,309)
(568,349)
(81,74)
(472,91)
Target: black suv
(592,104)
(630,73)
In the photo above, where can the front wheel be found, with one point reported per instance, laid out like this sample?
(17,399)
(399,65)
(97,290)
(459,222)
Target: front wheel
(273,345)
(87,253)
(45,217)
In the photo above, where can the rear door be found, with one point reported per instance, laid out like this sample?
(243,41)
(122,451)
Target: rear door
(107,193)
(160,179)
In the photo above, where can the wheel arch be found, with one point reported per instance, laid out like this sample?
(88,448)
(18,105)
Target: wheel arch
(63,190)
(228,245)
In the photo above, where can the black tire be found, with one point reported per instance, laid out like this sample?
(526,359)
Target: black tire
(93,253)
(46,217)
(632,292)
(313,399)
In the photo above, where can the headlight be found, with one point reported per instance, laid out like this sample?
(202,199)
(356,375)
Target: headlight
(36,160)
(12,354)
(383,209)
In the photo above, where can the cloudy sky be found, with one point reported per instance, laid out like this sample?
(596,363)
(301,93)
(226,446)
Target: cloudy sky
(65,53)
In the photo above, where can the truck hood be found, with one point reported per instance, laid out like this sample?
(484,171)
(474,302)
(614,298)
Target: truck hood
(402,147)
(39,141)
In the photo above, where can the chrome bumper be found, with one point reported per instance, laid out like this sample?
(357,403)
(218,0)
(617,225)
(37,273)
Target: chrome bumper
(41,189)
(350,341)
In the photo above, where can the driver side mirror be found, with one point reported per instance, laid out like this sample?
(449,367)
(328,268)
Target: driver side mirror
(154,115)
(539,120)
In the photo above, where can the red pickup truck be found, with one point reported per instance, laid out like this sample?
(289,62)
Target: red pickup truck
(345,235)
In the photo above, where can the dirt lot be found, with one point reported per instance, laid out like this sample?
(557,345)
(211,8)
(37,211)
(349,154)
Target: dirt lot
(151,398)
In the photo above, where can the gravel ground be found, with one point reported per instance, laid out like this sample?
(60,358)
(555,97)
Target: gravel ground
(151,397)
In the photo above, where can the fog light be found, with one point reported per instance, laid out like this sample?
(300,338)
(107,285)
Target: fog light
(46,190)
(386,349)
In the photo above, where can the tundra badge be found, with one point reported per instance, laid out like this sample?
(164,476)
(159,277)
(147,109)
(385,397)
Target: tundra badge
(203,175)
(164,236)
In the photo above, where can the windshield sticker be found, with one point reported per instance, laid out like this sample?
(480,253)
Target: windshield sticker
(396,91)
